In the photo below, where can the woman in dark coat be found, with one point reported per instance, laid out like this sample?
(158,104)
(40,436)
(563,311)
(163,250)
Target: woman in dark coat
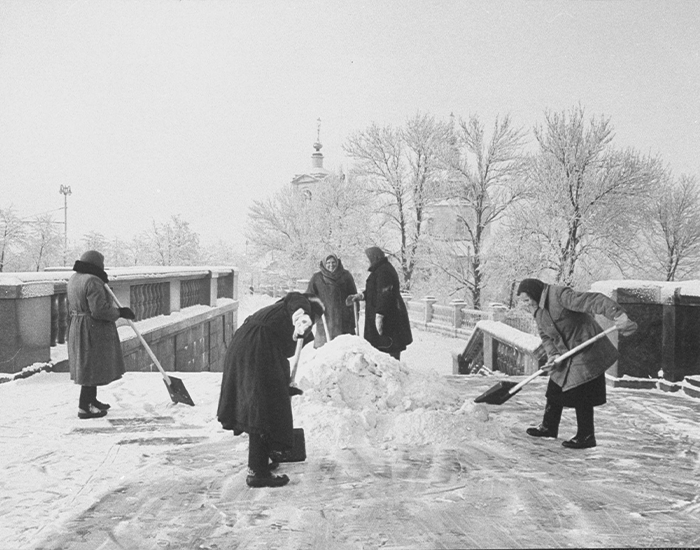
(387,326)
(94,351)
(333,284)
(565,319)
(255,394)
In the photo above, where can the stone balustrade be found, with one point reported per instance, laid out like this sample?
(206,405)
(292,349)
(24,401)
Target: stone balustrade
(34,309)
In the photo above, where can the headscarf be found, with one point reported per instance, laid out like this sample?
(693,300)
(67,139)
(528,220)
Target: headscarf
(532,287)
(374,255)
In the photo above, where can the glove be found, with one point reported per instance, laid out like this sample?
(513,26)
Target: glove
(624,325)
(354,298)
(379,323)
(551,364)
(127,313)
(302,323)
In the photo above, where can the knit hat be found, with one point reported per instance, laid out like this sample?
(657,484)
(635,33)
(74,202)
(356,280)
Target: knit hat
(532,287)
(93,257)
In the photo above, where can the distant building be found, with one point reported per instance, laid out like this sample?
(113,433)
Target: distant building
(443,221)
(306,183)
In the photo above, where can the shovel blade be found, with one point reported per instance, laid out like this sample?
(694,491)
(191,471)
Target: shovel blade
(178,392)
(498,394)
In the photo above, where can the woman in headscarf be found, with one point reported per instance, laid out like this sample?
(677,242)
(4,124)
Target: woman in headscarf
(94,351)
(387,326)
(565,319)
(255,390)
(333,284)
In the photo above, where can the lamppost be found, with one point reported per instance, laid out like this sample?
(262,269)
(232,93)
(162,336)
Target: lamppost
(65,191)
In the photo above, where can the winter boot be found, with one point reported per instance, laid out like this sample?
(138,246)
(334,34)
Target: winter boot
(580,442)
(585,435)
(100,405)
(265,478)
(91,412)
(550,422)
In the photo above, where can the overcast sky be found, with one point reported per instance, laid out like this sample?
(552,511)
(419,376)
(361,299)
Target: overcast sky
(152,108)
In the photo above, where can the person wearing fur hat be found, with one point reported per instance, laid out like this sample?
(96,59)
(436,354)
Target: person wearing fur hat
(255,393)
(565,319)
(94,351)
(387,326)
(333,284)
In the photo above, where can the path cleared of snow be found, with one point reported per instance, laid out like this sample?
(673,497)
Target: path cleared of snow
(399,456)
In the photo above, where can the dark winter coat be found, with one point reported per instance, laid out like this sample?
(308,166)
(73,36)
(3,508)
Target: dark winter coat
(255,384)
(383,296)
(94,351)
(565,320)
(333,287)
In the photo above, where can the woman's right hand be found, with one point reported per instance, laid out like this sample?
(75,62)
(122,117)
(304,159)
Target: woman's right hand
(551,364)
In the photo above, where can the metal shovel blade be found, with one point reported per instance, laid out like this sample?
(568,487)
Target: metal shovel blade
(498,394)
(178,392)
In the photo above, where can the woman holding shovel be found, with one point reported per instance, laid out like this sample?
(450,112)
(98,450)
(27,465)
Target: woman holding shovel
(565,319)
(255,390)
(94,351)
(333,284)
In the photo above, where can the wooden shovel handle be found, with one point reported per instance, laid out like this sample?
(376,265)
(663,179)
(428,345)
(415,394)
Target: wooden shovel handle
(145,344)
(297,355)
(564,357)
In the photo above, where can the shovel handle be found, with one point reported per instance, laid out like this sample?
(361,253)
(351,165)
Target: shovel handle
(356,309)
(563,357)
(145,345)
(325,328)
(297,355)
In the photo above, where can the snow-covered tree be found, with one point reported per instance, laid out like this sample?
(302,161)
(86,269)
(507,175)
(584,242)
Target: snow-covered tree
(583,194)
(483,180)
(402,169)
(12,234)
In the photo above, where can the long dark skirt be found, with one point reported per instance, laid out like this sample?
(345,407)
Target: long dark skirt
(590,394)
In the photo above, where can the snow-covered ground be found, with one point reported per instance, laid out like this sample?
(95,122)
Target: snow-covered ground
(399,457)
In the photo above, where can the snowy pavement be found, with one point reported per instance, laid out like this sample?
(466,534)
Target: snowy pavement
(399,456)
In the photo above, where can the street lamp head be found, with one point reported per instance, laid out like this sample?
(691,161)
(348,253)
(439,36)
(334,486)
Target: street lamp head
(65,190)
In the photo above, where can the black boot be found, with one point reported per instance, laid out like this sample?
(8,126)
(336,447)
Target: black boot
(265,478)
(86,409)
(550,422)
(585,435)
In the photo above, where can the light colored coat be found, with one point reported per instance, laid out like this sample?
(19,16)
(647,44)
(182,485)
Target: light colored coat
(94,351)
(565,320)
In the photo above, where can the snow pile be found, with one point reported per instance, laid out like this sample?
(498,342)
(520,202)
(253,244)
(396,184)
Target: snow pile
(357,395)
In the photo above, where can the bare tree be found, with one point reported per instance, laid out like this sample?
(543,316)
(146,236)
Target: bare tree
(484,181)
(295,231)
(668,240)
(173,242)
(402,168)
(44,242)
(582,191)
(12,234)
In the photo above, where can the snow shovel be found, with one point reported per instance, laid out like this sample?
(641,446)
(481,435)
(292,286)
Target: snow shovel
(503,391)
(176,388)
(293,390)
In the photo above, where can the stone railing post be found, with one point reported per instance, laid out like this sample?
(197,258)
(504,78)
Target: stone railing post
(490,352)
(457,306)
(25,318)
(429,301)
